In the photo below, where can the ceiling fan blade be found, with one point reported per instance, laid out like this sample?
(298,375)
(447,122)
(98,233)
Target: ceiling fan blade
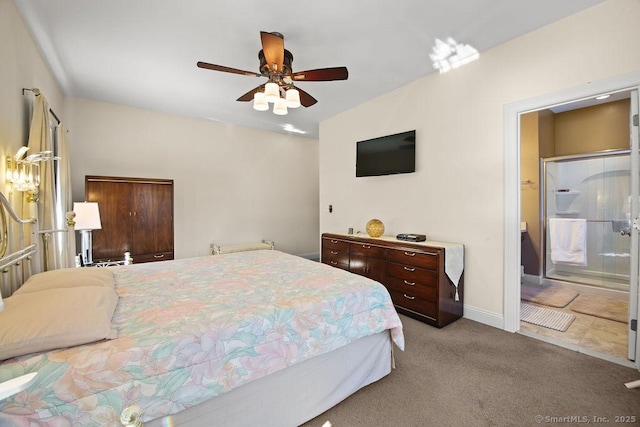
(306,99)
(273,48)
(226,69)
(321,74)
(249,95)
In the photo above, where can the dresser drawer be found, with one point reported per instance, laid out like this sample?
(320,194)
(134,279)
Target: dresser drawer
(161,256)
(412,274)
(414,303)
(335,244)
(367,250)
(427,292)
(335,257)
(418,259)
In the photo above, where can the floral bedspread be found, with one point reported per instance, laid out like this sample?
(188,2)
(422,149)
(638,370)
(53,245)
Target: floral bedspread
(191,329)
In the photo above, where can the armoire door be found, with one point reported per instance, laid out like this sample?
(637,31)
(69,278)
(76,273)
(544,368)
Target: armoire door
(152,230)
(114,204)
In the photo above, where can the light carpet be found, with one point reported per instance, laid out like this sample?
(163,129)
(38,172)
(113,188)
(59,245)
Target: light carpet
(603,307)
(546,318)
(552,296)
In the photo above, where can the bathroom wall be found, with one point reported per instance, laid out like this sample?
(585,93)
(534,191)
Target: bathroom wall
(530,191)
(597,128)
(547,134)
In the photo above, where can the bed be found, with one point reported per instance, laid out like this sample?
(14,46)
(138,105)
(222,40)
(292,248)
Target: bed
(246,338)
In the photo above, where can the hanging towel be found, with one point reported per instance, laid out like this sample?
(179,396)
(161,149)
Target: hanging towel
(568,240)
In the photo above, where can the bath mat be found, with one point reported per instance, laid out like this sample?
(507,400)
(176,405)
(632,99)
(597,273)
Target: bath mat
(599,306)
(552,296)
(546,318)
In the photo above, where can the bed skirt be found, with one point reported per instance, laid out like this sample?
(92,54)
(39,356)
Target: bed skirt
(297,394)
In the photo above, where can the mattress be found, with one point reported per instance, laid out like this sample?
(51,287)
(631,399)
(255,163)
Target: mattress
(191,330)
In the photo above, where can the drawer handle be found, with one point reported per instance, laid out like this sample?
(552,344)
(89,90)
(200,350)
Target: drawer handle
(158,256)
(406,282)
(410,268)
(334,241)
(408,297)
(410,253)
(334,252)
(333,262)
(366,246)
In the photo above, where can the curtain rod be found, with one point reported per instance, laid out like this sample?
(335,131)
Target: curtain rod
(36,92)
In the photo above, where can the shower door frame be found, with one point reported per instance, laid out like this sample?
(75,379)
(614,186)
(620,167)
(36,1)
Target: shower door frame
(543,204)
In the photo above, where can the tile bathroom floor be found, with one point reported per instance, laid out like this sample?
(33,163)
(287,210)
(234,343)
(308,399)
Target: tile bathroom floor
(593,333)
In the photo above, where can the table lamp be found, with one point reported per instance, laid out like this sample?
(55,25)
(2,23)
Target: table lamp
(87,219)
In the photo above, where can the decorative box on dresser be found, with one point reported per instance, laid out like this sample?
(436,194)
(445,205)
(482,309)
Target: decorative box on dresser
(416,274)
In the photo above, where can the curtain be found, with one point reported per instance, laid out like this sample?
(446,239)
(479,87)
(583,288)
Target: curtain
(67,243)
(40,139)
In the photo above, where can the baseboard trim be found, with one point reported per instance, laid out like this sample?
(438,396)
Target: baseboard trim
(482,316)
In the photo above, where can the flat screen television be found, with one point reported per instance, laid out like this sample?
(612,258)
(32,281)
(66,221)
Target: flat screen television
(386,155)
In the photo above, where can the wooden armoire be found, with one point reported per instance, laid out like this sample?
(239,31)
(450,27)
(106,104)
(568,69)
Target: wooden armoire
(136,216)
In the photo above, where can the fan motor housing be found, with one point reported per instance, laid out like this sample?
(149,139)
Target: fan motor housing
(286,64)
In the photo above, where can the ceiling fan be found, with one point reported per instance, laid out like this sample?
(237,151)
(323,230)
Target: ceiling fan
(275,64)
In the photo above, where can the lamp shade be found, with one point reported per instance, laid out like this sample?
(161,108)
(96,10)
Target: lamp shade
(260,102)
(87,216)
(280,107)
(271,92)
(293,98)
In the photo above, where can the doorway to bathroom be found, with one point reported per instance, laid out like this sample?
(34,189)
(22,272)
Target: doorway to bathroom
(555,167)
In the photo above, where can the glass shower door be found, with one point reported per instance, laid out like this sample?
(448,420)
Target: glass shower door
(591,194)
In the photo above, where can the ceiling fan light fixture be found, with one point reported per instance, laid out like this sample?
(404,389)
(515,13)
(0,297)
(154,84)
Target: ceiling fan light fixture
(260,102)
(271,92)
(292,98)
(280,107)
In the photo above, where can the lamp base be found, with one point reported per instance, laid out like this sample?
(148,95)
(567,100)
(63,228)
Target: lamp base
(86,244)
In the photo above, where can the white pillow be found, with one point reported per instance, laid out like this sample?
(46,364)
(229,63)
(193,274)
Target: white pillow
(56,318)
(68,278)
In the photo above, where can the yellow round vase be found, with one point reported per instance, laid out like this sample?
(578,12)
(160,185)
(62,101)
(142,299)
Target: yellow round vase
(375,228)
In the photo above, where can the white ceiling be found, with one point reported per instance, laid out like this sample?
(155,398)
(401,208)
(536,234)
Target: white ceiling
(143,53)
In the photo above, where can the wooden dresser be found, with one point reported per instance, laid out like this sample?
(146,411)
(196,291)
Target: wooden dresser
(414,273)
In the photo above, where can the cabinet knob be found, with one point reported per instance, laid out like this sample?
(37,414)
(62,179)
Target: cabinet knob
(408,296)
(406,282)
(333,262)
(410,253)
(334,252)
(366,246)
(158,256)
(334,241)
(409,268)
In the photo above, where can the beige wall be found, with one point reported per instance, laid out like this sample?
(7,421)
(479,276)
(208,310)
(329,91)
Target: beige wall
(457,192)
(231,184)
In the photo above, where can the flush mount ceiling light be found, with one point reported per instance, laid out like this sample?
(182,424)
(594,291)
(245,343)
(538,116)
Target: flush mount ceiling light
(450,54)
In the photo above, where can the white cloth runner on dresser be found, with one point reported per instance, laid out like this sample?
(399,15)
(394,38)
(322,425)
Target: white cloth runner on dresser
(453,262)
